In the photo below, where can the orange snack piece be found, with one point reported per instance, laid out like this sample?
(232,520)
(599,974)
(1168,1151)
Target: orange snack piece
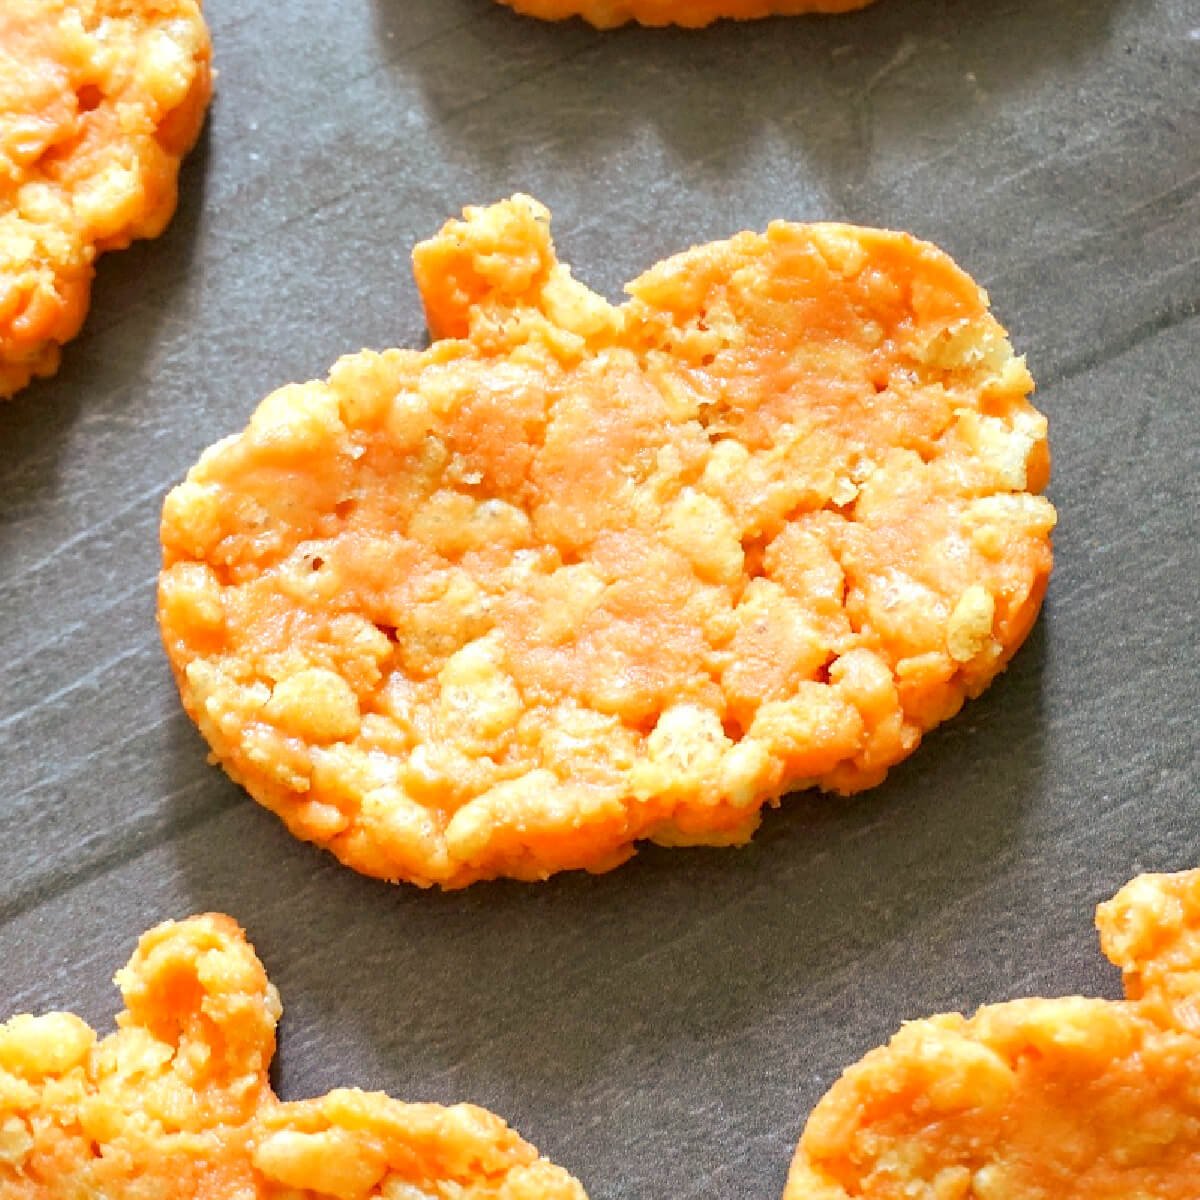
(606,14)
(579,574)
(176,1105)
(99,101)
(1070,1099)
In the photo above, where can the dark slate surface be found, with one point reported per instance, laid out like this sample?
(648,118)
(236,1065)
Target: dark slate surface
(662,1031)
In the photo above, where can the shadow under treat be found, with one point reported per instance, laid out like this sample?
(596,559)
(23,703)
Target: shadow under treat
(537,999)
(504,87)
(101,371)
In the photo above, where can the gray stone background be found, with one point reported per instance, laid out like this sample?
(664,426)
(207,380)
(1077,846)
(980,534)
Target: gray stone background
(661,1031)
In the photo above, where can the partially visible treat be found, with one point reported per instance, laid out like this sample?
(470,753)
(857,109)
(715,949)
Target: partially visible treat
(99,102)
(176,1104)
(582,574)
(694,14)
(1069,1099)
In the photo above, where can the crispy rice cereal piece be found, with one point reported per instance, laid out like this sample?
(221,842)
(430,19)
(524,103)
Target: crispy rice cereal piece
(99,101)
(176,1105)
(579,575)
(1070,1099)
(606,14)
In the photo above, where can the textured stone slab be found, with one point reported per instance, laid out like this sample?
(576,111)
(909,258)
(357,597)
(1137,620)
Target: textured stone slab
(662,1030)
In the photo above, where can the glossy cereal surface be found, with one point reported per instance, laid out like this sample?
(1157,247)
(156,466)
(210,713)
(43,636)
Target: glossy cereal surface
(1066,1099)
(691,14)
(99,101)
(176,1104)
(581,575)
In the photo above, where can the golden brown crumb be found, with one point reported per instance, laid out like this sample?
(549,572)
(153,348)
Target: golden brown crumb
(580,574)
(176,1105)
(606,14)
(1070,1099)
(99,101)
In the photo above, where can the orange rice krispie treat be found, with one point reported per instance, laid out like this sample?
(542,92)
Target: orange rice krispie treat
(605,14)
(99,101)
(1070,1099)
(582,574)
(176,1105)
